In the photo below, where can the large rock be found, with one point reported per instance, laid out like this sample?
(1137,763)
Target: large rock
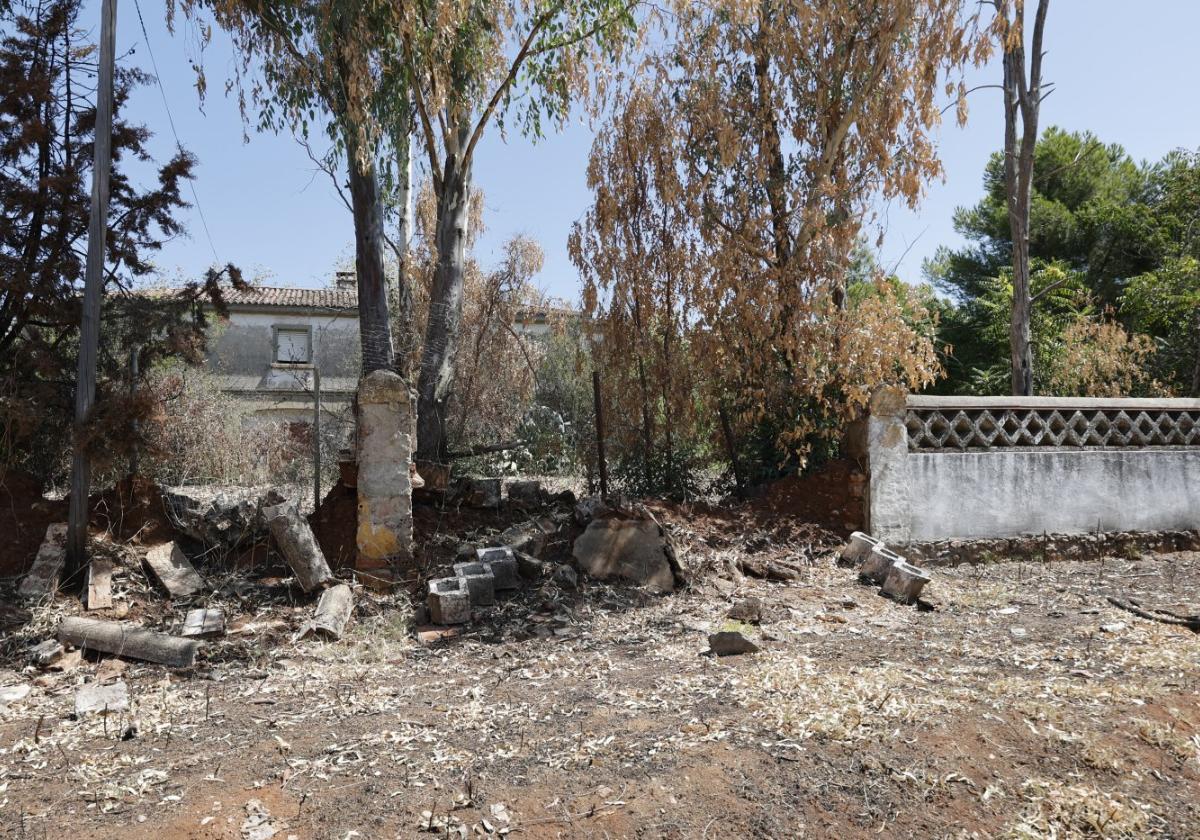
(223,519)
(633,549)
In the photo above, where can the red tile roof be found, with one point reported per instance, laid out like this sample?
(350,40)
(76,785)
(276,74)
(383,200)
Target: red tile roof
(281,296)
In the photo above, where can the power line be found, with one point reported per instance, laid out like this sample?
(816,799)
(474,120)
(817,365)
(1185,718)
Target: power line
(171,120)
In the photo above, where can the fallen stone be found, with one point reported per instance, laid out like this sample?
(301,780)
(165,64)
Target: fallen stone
(749,610)
(730,643)
(45,575)
(503,565)
(226,519)
(449,601)
(104,699)
(636,550)
(566,578)
(203,624)
(481,583)
(10,694)
(172,569)
(45,653)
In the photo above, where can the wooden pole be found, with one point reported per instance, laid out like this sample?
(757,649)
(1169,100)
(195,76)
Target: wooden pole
(316,433)
(601,463)
(133,383)
(89,331)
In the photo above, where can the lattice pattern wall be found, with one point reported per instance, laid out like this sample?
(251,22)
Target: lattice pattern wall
(984,428)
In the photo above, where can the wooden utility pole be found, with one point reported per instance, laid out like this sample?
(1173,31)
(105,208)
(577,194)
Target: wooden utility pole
(316,435)
(89,330)
(600,461)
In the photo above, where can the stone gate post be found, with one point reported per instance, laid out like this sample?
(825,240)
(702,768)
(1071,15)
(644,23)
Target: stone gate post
(386,438)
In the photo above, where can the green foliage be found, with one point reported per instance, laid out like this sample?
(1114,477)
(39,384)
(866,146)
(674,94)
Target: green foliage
(1108,238)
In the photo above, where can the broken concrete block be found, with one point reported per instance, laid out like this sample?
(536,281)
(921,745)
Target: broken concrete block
(99,583)
(855,551)
(525,494)
(904,582)
(13,693)
(730,643)
(634,549)
(587,508)
(104,699)
(479,492)
(481,583)
(226,519)
(171,567)
(530,567)
(503,564)
(299,547)
(333,611)
(449,601)
(875,568)
(46,573)
(528,537)
(45,653)
(203,624)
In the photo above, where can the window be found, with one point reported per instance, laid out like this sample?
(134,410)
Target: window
(292,346)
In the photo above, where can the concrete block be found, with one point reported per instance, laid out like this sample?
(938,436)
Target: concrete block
(875,568)
(480,582)
(449,601)
(855,551)
(503,564)
(904,582)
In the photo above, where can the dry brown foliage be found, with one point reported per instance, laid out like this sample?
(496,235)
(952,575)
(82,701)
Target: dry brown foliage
(730,195)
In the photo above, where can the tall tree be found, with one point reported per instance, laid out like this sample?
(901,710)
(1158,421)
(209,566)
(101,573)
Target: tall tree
(471,65)
(1023,95)
(47,125)
(332,63)
(781,126)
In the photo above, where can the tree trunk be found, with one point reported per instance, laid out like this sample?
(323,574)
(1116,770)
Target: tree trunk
(375,329)
(1022,101)
(406,338)
(445,305)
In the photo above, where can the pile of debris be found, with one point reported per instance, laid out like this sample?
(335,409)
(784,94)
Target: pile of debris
(619,542)
(880,566)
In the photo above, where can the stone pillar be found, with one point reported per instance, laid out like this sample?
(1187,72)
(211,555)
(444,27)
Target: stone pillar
(386,439)
(888,498)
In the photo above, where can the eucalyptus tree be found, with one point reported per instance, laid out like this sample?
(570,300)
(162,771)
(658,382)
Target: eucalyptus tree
(1023,95)
(474,65)
(333,66)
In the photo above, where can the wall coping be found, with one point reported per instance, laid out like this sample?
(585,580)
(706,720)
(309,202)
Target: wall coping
(1082,403)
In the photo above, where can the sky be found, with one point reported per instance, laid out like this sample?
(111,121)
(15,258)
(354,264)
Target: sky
(1127,71)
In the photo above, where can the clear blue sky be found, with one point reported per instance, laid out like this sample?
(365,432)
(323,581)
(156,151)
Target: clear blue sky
(1130,72)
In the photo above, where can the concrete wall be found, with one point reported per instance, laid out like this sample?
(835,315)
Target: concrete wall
(923,490)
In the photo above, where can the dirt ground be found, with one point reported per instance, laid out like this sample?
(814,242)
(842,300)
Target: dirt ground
(1023,705)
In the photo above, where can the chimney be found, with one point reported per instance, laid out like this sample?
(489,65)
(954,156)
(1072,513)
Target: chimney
(346,280)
